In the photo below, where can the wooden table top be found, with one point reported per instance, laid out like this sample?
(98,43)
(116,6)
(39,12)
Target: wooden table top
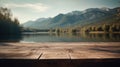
(60,50)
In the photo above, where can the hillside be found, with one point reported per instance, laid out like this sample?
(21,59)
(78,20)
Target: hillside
(75,18)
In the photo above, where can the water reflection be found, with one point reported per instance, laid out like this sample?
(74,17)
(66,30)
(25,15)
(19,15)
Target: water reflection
(81,37)
(10,38)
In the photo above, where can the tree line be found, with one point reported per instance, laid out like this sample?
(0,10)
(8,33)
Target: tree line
(8,24)
(103,28)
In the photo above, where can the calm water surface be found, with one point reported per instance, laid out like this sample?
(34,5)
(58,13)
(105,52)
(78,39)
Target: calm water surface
(62,38)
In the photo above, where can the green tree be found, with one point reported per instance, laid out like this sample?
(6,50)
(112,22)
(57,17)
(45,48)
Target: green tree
(106,28)
(7,25)
(99,28)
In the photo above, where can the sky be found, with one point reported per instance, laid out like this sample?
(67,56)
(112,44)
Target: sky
(26,10)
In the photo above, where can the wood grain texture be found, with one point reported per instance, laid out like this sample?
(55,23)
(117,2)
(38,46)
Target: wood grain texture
(62,50)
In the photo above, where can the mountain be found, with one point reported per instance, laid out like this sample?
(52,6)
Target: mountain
(74,18)
(41,22)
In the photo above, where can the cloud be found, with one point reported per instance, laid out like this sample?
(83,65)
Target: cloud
(38,7)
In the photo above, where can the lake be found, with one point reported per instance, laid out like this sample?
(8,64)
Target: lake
(45,37)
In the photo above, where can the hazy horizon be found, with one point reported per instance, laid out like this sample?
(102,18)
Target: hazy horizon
(26,10)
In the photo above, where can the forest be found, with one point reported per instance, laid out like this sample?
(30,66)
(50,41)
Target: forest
(8,24)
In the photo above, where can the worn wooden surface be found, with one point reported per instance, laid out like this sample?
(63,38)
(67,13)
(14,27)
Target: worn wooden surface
(63,50)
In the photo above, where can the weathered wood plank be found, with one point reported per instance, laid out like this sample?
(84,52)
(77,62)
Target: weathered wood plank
(78,50)
(55,55)
(18,52)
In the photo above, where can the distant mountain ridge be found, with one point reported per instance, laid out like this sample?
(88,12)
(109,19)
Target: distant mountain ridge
(79,18)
